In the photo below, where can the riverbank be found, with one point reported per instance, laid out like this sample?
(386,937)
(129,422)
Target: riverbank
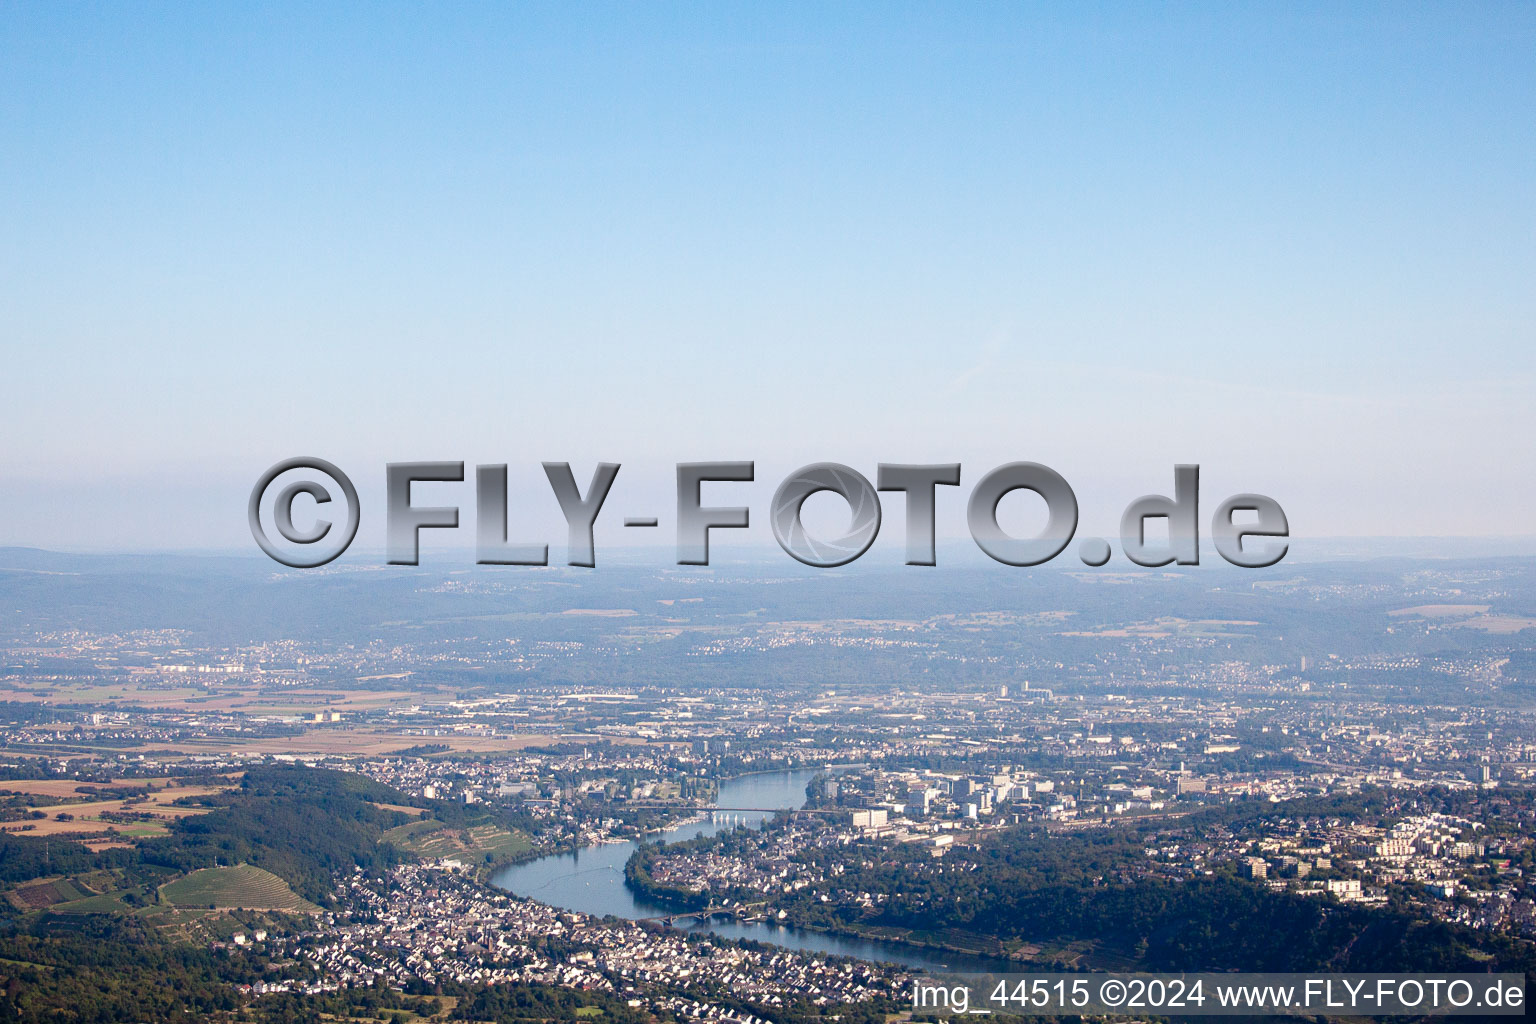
(908,938)
(591,880)
(638,879)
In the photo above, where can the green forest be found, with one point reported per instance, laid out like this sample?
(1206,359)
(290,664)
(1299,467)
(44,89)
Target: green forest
(116,967)
(1029,886)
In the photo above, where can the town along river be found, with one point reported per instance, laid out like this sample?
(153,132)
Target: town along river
(591,880)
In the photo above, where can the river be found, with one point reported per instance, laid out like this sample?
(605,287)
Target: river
(591,880)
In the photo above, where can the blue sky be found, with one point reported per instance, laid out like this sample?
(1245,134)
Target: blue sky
(1294,244)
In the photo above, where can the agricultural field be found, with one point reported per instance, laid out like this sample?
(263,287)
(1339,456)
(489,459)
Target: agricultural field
(433,839)
(105,903)
(46,893)
(106,891)
(406,835)
(88,818)
(399,809)
(242,886)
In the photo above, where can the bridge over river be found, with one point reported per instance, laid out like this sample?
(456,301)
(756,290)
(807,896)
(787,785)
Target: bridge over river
(704,914)
(592,881)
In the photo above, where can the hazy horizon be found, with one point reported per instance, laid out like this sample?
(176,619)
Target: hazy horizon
(1293,245)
